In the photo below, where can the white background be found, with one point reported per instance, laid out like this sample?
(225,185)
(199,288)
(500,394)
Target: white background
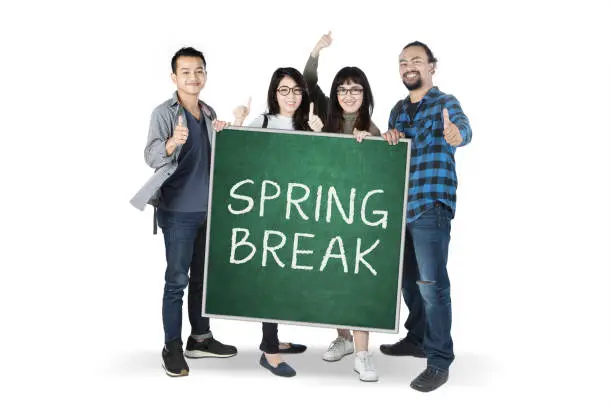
(82,276)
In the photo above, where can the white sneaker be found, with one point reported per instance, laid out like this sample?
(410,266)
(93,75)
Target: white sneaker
(364,365)
(338,349)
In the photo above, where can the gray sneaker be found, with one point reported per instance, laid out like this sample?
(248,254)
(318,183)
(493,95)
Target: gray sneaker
(338,348)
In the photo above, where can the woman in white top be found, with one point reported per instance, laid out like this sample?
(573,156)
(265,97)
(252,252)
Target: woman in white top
(288,109)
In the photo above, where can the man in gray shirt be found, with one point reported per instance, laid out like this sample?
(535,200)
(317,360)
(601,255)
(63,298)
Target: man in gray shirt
(179,148)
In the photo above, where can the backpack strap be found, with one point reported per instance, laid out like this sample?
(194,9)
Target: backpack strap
(265,121)
(395,113)
(154,220)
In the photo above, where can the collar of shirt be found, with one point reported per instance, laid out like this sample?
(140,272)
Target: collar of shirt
(433,93)
(203,107)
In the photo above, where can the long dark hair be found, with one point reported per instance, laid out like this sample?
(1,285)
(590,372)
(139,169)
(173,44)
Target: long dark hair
(334,112)
(300,116)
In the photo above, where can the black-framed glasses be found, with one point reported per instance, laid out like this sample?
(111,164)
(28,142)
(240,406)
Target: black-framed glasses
(352,91)
(284,90)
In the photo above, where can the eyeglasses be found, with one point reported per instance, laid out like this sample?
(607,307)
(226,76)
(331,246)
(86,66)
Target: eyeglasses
(352,91)
(284,90)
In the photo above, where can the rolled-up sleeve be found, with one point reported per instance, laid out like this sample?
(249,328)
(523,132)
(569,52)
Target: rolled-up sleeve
(159,132)
(459,118)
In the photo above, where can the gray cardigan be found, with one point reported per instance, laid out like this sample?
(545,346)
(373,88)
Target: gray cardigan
(163,121)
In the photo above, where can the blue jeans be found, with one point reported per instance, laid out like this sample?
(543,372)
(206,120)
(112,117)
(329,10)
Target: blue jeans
(426,287)
(185,239)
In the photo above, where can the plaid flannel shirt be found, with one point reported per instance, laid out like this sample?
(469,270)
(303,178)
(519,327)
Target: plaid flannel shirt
(432,160)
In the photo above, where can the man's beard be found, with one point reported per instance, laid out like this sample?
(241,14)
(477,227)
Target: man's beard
(414,85)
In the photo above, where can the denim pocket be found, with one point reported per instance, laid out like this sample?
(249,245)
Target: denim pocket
(444,216)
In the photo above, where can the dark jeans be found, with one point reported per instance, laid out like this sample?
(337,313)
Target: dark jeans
(269,340)
(426,286)
(185,239)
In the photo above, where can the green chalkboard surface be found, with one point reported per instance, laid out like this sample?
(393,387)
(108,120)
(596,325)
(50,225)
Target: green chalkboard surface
(306,228)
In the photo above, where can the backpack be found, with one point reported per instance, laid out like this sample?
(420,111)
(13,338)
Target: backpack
(395,112)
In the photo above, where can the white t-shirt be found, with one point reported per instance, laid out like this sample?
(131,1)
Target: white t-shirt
(274,122)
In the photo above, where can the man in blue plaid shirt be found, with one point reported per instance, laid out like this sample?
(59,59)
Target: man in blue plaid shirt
(436,126)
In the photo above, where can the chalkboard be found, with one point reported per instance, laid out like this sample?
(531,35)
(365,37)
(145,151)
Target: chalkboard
(306,228)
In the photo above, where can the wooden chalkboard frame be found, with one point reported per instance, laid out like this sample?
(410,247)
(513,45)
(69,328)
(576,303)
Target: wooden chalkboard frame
(299,323)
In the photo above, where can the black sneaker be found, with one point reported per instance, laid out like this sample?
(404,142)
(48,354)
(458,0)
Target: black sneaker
(404,347)
(208,348)
(430,379)
(173,361)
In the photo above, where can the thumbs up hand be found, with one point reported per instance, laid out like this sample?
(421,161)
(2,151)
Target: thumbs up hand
(314,121)
(179,136)
(241,112)
(324,42)
(180,132)
(451,131)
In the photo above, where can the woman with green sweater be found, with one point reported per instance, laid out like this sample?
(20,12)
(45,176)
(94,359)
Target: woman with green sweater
(347,110)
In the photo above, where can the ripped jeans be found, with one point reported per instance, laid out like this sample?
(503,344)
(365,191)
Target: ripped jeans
(426,287)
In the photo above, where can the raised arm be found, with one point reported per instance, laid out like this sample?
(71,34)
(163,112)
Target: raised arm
(310,75)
